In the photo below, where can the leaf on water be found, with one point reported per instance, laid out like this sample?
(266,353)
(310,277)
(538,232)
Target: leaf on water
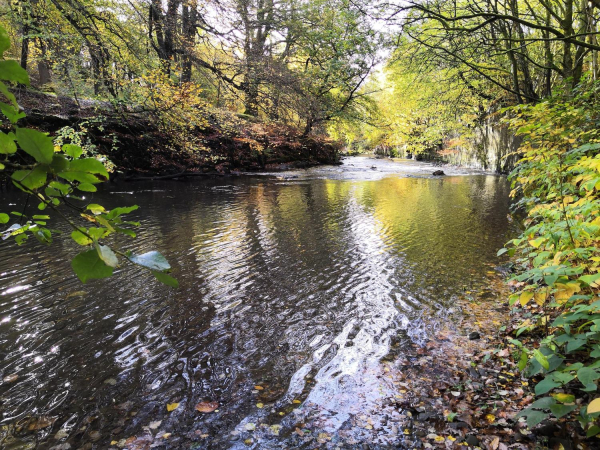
(88,266)
(260,405)
(258,388)
(172,406)
(41,423)
(154,425)
(250,426)
(151,260)
(10,378)
(110,381)
(207,407)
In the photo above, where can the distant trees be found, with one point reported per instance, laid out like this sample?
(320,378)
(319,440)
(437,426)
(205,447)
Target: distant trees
(288,60)
(524,47)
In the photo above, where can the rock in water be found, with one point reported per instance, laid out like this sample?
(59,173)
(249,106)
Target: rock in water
(474,335)
(439,173)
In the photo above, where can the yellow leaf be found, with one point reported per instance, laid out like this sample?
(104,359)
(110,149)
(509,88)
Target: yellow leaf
(260,405)
(297,401)
(535,243)
(525,297)
(594,406)
(490,418)
(564,398)
(172,406)
(540,298)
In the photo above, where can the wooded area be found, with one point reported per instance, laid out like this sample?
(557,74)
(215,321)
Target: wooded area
(238,81)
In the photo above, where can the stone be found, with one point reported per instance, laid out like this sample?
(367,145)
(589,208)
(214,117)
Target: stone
(474,335)
(472,440)
(438,173)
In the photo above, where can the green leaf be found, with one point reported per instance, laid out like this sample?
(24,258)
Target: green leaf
(523,360)
(166,279)
(89,165)
(593,431)
(116,212)
(4,218)
(10,70)
(152,260)
(539,356)
(86,187)
(88,266)
(562,410)
(82,177)
(32,179)
(4,40)
(74,151)
(107,255)
(535,417)
(591,280)
(501,252)
(59,163)
(546,385)
(36,144)
(7,144)
(550,279)
(9,95)
(11,112)
(96,209)
(80,238)
(98,232)
(587,376)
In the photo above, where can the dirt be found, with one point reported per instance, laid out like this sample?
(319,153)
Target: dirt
(133,142)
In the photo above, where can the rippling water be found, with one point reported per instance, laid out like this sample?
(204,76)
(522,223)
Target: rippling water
(297,284)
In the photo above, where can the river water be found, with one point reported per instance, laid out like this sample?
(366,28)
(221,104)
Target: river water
(293,287)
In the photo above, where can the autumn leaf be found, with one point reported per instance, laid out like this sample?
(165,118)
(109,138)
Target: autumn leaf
(172,406)
(207,407)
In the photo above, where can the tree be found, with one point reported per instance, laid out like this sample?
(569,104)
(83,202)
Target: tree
(53,176)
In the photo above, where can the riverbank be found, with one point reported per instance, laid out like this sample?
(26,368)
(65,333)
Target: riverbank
(137,145)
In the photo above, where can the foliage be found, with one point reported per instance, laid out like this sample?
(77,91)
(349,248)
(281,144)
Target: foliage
(55,177)
(178,109)
(557,182)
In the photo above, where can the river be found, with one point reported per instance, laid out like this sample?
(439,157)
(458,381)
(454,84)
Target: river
(293,287)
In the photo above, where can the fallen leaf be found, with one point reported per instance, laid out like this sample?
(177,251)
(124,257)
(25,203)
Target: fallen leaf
(41,422)
(206,407)
(172,406)
(10,378)
(154,425)
(250,426)
(495,442)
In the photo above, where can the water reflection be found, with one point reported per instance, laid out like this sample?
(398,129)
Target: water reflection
(296,286)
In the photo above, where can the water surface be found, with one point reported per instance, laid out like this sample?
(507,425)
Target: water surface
(297,283)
